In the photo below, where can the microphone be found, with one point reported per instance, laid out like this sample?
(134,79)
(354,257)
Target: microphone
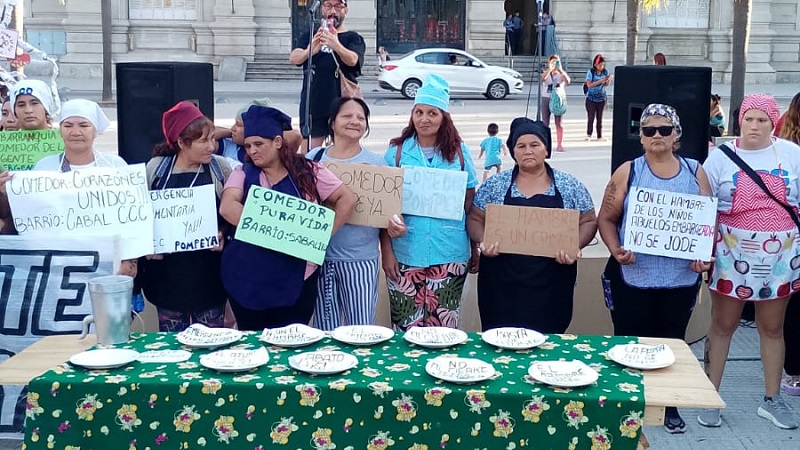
(314,7)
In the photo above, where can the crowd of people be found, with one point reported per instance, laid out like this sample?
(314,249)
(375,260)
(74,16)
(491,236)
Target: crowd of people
(426,260)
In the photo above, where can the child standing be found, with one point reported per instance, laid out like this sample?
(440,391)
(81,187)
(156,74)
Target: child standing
(492,146)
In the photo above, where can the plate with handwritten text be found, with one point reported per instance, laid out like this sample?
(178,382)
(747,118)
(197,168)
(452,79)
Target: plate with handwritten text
(435,337)
(323,362)
(295,335)
(459,370)
(235,360)
(513,338)
(642,356)
(362,334)
(563,373)
(201,336)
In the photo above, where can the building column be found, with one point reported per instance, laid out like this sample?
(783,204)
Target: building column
(273,19)
(485,35)
(233,29)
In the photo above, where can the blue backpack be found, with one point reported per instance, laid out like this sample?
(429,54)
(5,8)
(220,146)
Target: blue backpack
(558,103)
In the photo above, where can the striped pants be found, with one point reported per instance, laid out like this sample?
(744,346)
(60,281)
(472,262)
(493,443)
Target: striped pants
(347,294)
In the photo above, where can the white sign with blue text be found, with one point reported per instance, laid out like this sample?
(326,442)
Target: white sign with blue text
(436,193)
(184,219)
(670,224)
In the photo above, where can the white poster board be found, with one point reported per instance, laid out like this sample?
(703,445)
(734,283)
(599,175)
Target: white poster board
(436,193)
(44,293)
(99,201)
(670,224)
(8,43)
(184,219)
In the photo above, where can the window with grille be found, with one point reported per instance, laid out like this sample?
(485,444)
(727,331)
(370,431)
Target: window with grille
(679,14)
(162,9)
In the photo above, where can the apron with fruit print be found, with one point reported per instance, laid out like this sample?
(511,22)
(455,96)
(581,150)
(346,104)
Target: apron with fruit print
(757,251)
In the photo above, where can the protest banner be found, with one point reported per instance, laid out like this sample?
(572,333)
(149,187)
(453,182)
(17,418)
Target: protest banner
(379,191)
(8,43)
(670,224)
(21,150)
(43,292)
(99,201)
(184,219)
(436,193)
(524,230)
(286,224)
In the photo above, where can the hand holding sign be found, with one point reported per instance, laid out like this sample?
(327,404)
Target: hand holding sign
(525,230)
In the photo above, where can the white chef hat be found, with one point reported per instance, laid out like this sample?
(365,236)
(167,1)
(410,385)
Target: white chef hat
(86,109)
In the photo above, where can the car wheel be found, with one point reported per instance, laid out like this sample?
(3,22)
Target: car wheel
(497,90)
(409,89)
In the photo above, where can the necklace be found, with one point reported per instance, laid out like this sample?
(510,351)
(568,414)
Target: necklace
(172,167)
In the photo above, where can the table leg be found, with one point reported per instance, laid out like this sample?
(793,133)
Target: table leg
(643,444)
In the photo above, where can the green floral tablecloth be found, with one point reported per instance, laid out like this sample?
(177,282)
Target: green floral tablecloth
(387,402)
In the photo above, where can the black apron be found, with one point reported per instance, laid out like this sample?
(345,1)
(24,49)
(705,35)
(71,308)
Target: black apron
(185,281)
(258,278)
(527,291)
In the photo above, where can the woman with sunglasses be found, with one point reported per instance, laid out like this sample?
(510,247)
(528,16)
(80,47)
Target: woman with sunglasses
(651,295)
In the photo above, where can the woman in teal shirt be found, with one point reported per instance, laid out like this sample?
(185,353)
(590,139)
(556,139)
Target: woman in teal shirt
(426,260)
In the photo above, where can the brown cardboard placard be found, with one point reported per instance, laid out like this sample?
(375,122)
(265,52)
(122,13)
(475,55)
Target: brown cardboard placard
(379,190)
(525,230)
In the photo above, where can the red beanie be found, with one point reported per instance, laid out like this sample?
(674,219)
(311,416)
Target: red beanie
(177,118)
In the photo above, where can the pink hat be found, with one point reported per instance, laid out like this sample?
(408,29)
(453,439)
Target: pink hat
(762,102)
(177,118)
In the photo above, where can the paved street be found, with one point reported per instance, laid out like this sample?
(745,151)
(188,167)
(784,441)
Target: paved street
(590,162)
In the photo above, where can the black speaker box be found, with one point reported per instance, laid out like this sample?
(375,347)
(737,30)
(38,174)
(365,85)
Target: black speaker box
(687,89)
(145,90)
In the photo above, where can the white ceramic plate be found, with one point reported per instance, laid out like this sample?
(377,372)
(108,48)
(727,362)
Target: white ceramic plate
(323,362)
(295,335)
(642,356)
(362,334)
(459,370)
(512,338)
(563,373)
(164,356)
(235,360)
(201,336)
(104,358)
(435,337)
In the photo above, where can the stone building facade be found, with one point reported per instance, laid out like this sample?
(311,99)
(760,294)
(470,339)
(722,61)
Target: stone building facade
(690,32)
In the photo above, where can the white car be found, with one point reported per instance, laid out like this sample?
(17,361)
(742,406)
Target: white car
(464,72)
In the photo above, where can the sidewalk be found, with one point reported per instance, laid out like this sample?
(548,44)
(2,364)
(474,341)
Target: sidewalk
(92,88)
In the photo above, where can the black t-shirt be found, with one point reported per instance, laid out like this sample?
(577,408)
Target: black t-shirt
(325,87)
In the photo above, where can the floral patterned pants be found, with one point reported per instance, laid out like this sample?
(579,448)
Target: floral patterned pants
(427,296)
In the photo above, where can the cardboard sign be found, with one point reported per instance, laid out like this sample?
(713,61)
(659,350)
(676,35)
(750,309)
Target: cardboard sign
(99,201)
(379,191)
(8,43)
(184,219)
(436,193)
(21,150)
(524,230)
(286,224)
(670,224)
(44,293)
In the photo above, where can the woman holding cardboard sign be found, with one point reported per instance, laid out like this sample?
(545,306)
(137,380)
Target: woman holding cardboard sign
(520,290)
(425,258)
(184,160)
(651,295)
(348,280)
(268,288)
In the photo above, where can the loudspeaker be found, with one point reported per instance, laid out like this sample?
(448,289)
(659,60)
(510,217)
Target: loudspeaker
(687,89)
(145,90)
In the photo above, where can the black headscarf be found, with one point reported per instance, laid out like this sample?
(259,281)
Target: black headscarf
(522,126)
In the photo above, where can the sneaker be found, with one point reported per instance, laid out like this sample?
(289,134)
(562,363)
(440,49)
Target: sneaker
(601,139)
(588,138)
(559,149)
(791,385)
(709,418)
(776,410)
(673,422)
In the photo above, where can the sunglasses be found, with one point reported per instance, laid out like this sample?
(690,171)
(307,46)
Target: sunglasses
(665,130)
